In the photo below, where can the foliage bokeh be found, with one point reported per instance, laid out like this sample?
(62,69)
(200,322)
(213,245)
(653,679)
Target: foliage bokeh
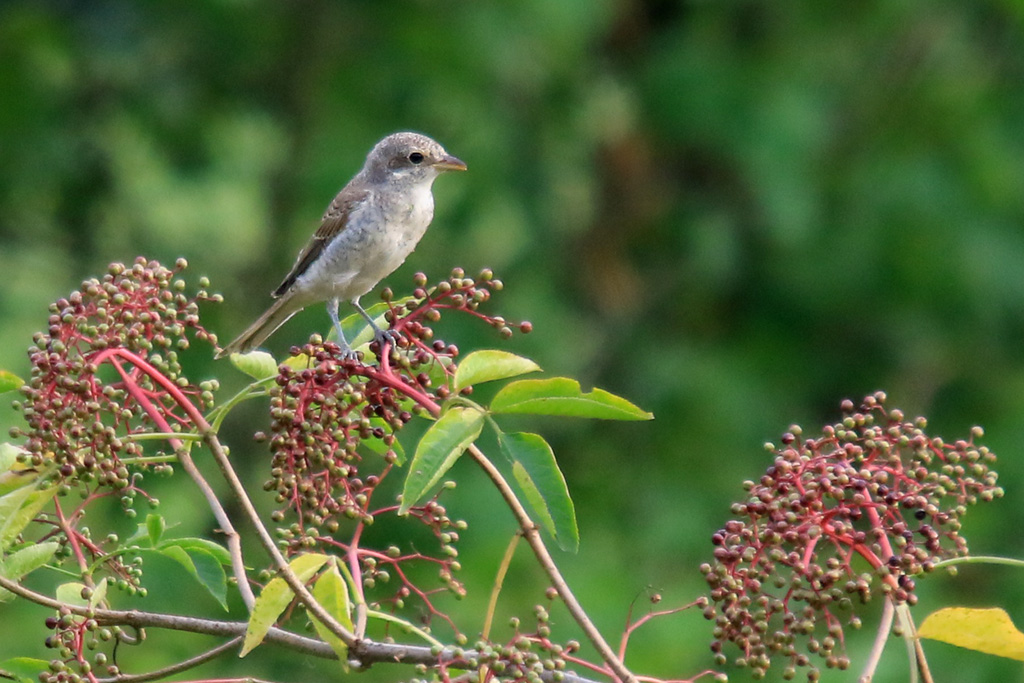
(736,214)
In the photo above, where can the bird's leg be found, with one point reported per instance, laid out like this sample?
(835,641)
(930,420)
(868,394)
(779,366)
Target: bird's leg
(380,335)
(332,311)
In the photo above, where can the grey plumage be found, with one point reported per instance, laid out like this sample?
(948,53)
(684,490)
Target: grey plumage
(367,232)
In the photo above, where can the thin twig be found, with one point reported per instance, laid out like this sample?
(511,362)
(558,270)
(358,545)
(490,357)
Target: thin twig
(213,443)
(300,590)
(190,663)
(366,652)
(632,626)
(979,559)
(499,581)
(913,642)
(138,619)
(234,541)
(881,637)
(547,563)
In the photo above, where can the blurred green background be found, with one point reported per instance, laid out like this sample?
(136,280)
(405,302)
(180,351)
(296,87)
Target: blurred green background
(735,213)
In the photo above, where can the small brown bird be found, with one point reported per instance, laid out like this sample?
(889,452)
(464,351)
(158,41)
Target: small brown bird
(367,232)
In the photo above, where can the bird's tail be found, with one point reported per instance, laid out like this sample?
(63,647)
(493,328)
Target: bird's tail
(265,325)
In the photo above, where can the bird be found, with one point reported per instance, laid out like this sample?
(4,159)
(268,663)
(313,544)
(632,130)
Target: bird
(366,233)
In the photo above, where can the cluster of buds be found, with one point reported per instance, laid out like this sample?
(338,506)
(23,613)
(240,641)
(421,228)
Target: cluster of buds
(107,368)
(333,429)
(77,641)
(872,489)
(526,656)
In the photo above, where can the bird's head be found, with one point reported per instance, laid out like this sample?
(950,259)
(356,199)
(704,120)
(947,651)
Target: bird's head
(410,156)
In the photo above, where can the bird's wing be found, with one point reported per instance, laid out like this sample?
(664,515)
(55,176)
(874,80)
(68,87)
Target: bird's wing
(335,221)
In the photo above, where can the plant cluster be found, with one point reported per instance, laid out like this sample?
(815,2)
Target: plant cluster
(107,378)
(864,508)
(329,412)
(107,369)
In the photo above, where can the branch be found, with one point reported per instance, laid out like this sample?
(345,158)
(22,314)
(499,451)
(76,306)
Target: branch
(533,537)
(210,438)
(234,540)
(530,532)
(138,619)
(300,590)
(913,642)
(175,668)
(888,612)
(365,653)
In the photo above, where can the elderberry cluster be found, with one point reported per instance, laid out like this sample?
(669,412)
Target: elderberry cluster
(330,411)
(322,413)
(525,658)
(107,368)
(873,488)
(319,417)
(77,643)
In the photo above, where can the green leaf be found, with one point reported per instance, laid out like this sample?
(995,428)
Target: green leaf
(18,508)
(13,474)
(299,362)
(275,598)
(563,396)
(984,630)
(438,450)
(28,559)
(211,575)
(154,528)
(535,469)
(99,593)
(24,669)
(256,364)
(23,561)
(331,592)
(9,455)
(218,551)
(70,593)
(205,567)
(181,557)
(490,365)
(9,381)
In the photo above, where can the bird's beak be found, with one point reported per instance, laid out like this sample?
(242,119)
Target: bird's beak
(450,163)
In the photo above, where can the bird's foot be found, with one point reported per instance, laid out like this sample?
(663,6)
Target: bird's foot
(381,337)
(350,354)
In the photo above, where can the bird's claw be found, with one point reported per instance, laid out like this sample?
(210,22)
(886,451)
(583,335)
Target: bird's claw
(349,354)
(385,336)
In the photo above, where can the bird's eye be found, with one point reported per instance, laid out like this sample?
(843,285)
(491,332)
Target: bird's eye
(416,158)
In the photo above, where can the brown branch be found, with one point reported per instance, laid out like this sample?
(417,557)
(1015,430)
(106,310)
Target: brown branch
(365,653)
(881,637)
(209,436)
(185,665)
(530,532)
(300,590)
(234,540)
(547,563)
(138,619)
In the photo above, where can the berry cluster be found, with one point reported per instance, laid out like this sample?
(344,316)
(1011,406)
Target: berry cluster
(873,489)
(73,638)
(107,368)
(525,657)
(329,411)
